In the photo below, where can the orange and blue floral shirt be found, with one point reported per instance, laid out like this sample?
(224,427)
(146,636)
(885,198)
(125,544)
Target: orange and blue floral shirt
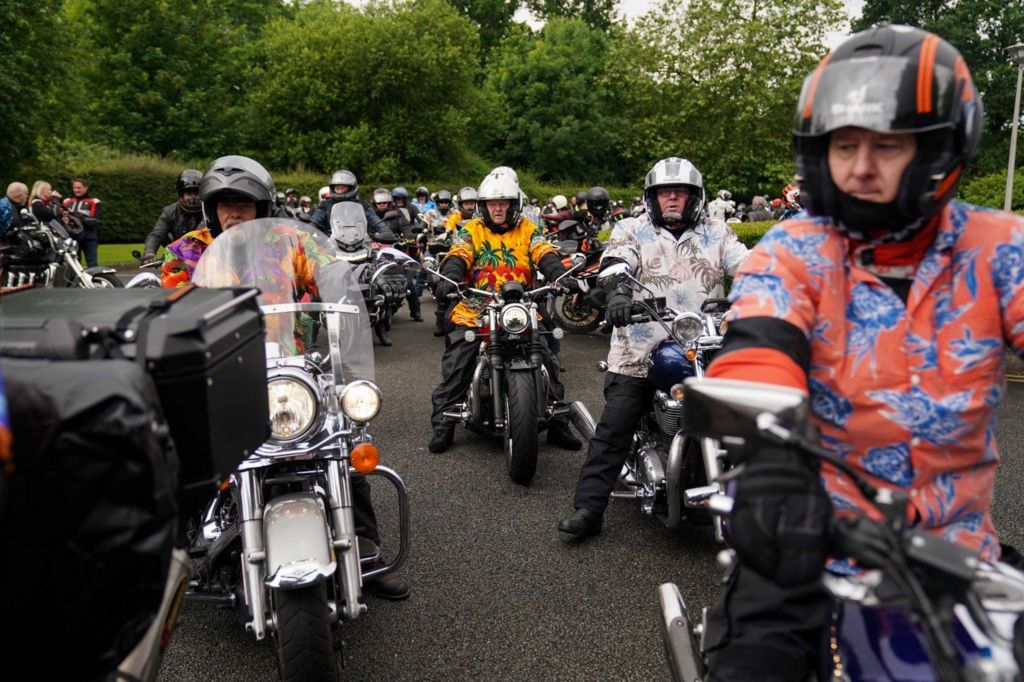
(907,393)
(494,259)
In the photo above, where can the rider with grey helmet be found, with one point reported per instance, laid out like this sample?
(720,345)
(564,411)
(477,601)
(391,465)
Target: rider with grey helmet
(343,186)
(671,244)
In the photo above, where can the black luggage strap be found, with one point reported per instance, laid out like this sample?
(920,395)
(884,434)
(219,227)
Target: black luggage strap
(110,340)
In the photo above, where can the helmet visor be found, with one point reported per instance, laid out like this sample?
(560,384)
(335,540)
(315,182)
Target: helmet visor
(883,94)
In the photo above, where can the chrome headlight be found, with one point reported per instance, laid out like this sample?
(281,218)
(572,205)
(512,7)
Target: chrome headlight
(514,318)
(686,328)
(293,407)
(360,401)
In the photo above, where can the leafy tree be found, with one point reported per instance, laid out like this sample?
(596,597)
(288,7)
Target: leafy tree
(367,89)
(980,29)
(716,81)
(30,67)
(598,14)
(166,76)
(558,112)
(493,17)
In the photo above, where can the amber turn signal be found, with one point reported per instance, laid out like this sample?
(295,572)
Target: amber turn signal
(365,458)
(691,355)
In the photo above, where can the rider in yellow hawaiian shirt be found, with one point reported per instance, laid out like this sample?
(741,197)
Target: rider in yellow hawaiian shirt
(497,247)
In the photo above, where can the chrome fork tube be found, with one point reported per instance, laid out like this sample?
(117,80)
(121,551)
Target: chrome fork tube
(346,547)
(253,552)
(494,356)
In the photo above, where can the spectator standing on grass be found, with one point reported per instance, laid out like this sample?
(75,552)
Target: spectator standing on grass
(87,210)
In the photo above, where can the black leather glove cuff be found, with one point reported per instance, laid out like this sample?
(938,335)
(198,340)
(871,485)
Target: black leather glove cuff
(454,267)
(550,265)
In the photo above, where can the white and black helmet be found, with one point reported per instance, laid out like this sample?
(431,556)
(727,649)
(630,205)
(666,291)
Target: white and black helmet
(500,185)
(347,178)
(467,194)
(674,172)
(235,178)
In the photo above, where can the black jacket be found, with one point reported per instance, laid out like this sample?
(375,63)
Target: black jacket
(172,224)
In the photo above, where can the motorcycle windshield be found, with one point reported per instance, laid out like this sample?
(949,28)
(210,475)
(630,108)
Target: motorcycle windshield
(290,262)
(348,225)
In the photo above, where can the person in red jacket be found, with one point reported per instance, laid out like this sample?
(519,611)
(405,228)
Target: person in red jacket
(83,213)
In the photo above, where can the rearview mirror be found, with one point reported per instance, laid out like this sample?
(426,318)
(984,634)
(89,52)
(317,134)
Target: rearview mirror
(715,408)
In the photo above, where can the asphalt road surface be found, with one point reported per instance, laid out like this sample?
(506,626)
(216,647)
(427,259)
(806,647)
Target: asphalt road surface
(498,592)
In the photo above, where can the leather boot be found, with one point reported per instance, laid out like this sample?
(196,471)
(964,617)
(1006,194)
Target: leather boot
(389,586)
(443,437)
(583,523)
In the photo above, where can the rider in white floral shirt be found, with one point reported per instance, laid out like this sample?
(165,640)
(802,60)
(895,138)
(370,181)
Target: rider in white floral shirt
(679,254)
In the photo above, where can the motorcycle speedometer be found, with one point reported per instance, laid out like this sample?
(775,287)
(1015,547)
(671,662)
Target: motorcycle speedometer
(293,408)
(514,318)
(686,328)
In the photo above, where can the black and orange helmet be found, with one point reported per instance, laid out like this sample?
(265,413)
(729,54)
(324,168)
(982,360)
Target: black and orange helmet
(891,79)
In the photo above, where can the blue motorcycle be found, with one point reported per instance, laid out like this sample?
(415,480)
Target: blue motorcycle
(672,472)
(919,607)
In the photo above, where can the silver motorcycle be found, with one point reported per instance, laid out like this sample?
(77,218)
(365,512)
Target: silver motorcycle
(45,255)
(278,543)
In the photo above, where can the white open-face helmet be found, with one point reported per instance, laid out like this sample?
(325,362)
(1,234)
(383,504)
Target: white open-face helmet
(560,202)
(324,193)
(499,185)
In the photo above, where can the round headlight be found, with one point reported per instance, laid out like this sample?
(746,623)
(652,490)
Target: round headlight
(686,328)
(514,318)
(292,408)
(360,401)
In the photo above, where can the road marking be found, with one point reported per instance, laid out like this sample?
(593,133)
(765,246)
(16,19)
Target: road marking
(1015,378)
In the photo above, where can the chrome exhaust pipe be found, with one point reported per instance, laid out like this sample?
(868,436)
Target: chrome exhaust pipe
(673,478)
(581,418)
(677,635)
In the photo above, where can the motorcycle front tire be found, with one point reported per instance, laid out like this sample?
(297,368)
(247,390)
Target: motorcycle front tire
(575,315)
(521,426)
(305,643)
(107,280)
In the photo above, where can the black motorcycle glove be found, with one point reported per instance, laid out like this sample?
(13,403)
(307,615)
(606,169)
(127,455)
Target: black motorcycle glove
(620,308)
(550,265)
(453,268)
(570,285)
(779,524)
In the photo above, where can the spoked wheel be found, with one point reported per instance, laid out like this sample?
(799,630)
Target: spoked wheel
(305,643)
(521,427)
(576,315)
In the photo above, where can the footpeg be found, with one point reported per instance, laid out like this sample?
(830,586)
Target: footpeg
(698,498)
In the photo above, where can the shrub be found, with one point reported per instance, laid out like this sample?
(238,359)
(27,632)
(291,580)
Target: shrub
(990,190)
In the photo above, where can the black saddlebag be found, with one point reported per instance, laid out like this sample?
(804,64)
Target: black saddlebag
(202,347)
(87,517)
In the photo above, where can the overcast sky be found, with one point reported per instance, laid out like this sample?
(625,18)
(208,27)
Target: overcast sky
(635,8)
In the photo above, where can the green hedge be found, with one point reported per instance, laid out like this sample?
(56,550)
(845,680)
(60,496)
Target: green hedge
(134,189)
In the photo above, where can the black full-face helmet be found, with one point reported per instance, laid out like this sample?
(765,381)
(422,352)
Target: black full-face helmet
(598,201)
(189,181)
(889,79)
(235,178)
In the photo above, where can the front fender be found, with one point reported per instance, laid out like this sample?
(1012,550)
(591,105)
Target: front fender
(100,270)
(297,543)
